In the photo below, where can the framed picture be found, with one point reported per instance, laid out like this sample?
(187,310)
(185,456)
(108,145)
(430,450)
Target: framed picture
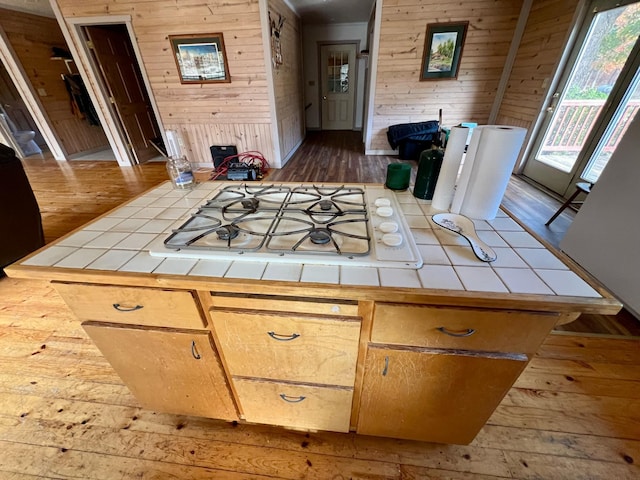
(443,50)
(200,58)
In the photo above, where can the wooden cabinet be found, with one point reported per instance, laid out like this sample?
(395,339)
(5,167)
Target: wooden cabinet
(437,373)
(167,370)
(290,366)
(433,396)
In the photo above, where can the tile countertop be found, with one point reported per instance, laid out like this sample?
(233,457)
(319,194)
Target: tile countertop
(117,242)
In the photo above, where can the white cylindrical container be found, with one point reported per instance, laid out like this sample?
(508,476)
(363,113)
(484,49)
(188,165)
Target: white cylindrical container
(443,194)
(180,172)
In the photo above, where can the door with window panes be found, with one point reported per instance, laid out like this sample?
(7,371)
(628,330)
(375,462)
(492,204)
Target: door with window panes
(338,82)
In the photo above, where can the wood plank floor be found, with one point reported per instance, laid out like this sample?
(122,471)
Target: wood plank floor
(64,413)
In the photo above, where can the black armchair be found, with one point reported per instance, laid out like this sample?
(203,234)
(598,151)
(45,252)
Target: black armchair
(20,221)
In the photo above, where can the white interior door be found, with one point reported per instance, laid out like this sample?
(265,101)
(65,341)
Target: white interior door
(338,85)
(590,89)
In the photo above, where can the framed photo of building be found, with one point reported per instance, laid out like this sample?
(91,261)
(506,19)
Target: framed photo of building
(443,50)
(200,58)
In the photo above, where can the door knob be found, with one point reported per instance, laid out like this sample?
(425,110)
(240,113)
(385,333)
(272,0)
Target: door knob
(324,97)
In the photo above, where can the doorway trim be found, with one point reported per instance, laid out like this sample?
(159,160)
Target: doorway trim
(88,69)
(27,93)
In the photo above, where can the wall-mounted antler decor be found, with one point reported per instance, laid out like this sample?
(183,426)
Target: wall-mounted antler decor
(276,49)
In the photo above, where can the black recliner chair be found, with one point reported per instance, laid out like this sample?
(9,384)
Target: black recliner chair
(412,138)
(21,224)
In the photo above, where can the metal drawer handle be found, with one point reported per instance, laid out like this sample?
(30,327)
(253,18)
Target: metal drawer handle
(120,308)
(194,352)
(289,399)
(283,338)
(386,366)
(467,333)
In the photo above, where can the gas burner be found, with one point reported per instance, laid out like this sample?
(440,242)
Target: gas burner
(325,205)
(319,236)
(227,232)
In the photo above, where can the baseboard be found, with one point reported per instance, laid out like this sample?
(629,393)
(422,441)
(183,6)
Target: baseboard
(381,152)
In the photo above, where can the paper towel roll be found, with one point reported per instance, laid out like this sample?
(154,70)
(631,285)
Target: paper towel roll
(490,159)
(443,194)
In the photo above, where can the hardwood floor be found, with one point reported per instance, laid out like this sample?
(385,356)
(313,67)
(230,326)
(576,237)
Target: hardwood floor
(573,414)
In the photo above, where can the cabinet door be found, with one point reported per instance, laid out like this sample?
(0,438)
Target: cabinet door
(436,397)
(167,371)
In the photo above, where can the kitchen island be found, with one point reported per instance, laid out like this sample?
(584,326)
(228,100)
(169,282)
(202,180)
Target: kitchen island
(421,353)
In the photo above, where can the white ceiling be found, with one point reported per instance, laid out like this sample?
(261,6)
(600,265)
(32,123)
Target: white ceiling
(332,11)
(310,11)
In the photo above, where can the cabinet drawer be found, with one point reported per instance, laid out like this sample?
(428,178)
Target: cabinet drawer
(461,328)
(295,348)
(287,304)
(298,406)
(136,306)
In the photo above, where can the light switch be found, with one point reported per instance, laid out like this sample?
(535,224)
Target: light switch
(42,92)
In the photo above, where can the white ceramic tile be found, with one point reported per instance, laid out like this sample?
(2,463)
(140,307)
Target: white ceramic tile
(106,240)
(479,279)
(80,238)
(359,276)
(103,224)
(411,209)
(447,237)
(50,256)
(439,276)
(463,256)
(523,280)
(129,225)
(177,192)
(148,212)
(428,209)
(210,268)
(405,197)
(81,258)
(125,212)
(160,189)
(481,225)
(136,241)
(142,262)
(501,213)
(399,277)
(541,258)
(425,236)
(491,238)
(165,202)
(250,270)
(156,226)
(417,221)
(141,201)
(173,213)
(505,224)
(321,274)
(112,260)
(521,239)
(507,258)
(189,203)
(176,266)
(433,255)
(565,282)
(283,271)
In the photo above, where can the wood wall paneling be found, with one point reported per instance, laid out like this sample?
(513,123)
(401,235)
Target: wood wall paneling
(236,113)
(287,79)
(400,96)
(31,37)
(540,49)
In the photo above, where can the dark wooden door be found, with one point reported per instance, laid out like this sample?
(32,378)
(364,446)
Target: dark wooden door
(118,64)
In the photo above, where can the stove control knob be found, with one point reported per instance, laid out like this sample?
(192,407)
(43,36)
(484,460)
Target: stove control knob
(392,239)
(382,202)
(388,227)
(384,211)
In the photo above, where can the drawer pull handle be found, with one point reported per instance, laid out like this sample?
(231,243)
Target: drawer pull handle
(386,366)
(194,352)
(283,338)
(120,308)
(467,333)
(289,399)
